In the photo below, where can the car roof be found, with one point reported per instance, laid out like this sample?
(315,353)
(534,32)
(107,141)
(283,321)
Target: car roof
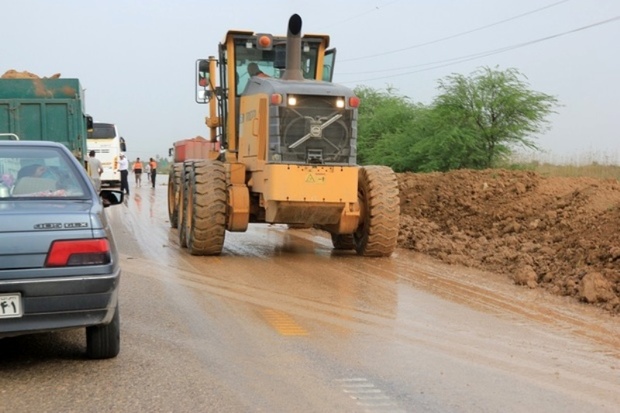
(48,144)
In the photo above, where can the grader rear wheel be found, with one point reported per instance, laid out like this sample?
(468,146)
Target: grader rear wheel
(205,224)
(377,233)
(174,192)
(185,168)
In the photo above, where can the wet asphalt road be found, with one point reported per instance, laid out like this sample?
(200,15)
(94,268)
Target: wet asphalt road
(281,323)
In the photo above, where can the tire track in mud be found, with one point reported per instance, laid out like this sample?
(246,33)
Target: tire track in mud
(483,292)
(528,359)
(296,272)
(479,319)
(486,292)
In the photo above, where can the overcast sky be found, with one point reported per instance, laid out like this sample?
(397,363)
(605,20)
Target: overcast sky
(136,58)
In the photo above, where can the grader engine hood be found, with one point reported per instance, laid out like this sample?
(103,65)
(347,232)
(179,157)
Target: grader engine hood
(311,125)
(310,121)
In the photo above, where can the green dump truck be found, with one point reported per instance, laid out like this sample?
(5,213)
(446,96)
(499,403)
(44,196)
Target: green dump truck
(46,110)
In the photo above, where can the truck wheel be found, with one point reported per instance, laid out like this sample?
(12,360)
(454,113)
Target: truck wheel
(182,210)
(377,191)
(104,341)
(343,241)
(174,184)
(206,208)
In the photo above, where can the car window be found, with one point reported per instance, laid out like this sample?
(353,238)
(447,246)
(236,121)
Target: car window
(37,172)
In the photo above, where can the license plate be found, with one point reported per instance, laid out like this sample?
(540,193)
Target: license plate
(10,305)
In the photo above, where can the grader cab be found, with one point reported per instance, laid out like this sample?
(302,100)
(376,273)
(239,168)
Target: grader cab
(286,150)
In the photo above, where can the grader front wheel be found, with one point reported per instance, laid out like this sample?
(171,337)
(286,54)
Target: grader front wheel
(377,233)
(205,223)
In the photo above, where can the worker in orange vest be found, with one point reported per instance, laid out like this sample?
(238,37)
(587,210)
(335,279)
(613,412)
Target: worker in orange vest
(137,170)
(153,165)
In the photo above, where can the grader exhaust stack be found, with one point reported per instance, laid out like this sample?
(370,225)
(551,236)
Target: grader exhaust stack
(293,49)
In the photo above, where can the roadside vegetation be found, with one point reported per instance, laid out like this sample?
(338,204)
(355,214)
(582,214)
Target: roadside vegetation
(487,119)
(476,122)
(589,165)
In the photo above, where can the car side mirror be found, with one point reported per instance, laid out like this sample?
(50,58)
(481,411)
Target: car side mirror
(111,197)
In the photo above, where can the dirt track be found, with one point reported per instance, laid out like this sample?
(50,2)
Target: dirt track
(560,234)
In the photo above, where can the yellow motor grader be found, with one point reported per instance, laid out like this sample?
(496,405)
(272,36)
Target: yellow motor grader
(281,150)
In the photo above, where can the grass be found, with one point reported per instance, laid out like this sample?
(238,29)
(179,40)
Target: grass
(593,165)
(593,170)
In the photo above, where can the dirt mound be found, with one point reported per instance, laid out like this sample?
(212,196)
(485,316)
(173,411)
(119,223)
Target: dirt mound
(14,74)
(560,234)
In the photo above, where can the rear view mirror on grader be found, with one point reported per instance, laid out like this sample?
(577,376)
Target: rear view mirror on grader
(281,150)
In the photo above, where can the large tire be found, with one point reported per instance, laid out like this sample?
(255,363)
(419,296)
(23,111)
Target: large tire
(174,189)
(207,208)
(104,341)
(182,211)
(343,241)
(377,233)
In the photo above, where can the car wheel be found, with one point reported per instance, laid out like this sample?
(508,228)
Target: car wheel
(104,341)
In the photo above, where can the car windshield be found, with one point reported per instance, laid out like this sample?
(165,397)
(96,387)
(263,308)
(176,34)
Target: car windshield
(36,172)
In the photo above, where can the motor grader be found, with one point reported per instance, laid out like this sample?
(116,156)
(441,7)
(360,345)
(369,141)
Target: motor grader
(281,150)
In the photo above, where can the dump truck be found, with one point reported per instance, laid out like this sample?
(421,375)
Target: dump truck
(45,109)
(286,150)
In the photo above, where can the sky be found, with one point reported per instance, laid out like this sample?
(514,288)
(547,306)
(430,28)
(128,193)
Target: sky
(136,59)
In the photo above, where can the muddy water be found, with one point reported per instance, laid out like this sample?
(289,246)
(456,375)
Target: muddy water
(280,322)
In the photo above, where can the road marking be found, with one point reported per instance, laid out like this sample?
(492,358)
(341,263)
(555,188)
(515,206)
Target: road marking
(283,323)
(366,395)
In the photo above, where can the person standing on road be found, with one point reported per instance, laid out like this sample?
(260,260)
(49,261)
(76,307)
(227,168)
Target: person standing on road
(153,165)
(123,167)
(147,171)
(94,170)
(137,170)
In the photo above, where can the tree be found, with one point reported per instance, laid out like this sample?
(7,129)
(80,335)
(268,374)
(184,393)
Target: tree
(384,119)
(486,115)
(440,145)
(474,123)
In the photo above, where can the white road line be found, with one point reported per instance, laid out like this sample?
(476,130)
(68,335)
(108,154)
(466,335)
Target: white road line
(362,391)
(368,396)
